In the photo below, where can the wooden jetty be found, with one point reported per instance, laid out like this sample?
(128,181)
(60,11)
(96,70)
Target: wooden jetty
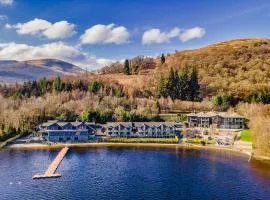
(50,173)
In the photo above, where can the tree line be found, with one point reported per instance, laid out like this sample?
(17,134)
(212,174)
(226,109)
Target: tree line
(182,86)
(40,87)
(139,63)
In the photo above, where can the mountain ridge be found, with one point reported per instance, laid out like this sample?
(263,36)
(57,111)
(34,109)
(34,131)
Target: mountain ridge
(20,71)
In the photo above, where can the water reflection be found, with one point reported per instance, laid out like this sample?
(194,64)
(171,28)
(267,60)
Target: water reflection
(134,173)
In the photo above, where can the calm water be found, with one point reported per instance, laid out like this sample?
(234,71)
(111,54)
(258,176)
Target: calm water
(133,173)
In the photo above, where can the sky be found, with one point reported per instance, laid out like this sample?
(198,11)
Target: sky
(92,34)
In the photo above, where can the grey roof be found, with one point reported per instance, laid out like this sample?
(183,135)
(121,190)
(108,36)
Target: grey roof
(192,114)
(213,114)
(139,124)
(49,123)
(62,123)
(76,123)
(230,115)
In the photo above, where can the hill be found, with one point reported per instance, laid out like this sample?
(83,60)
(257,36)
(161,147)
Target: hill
(237,67)
(16,71)
(240,68)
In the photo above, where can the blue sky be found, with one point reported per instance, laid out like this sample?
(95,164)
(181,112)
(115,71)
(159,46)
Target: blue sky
(116,29)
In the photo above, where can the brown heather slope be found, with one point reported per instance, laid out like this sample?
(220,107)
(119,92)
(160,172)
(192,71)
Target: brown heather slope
(238,67)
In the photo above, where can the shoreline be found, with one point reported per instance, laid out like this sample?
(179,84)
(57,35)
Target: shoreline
(33,146)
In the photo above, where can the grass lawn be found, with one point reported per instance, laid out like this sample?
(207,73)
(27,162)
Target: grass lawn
(141,140)
(199,141)
(246,136)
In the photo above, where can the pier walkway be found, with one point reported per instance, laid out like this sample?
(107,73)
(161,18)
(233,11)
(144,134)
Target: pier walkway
(50,173)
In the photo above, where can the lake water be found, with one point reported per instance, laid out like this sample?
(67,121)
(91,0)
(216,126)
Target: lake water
(133,173)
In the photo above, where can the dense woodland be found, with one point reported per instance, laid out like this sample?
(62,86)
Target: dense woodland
(218,77)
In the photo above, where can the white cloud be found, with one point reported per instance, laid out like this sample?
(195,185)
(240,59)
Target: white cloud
(40,27)
(60,30)
(34,27)
(105,34)
(57,50)
(192,33)
(6,2)
(154,35)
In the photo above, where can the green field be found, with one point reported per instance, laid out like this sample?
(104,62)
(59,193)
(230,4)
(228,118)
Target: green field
(141,140)
(246,136)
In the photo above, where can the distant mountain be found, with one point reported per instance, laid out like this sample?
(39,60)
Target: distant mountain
(19,71)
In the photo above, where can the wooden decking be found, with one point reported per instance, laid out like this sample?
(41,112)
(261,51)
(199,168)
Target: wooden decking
(50,173)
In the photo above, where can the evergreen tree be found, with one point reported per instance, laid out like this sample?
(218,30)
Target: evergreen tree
(95,86)
(218,101)
(119,93)
(162,59)
(79,85)
(68,87)
(179,86)
(170,84)
(162,87)
(57,84)
(126,67)
(175,89)
(184,84)
(194,86)
(43,84)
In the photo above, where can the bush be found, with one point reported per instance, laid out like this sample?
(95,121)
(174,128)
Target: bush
(173,140)
(95,86)
(199,141)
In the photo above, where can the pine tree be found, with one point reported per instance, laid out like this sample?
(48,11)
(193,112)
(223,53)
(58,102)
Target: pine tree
(171,84)
(57,84)
(162,59)
(162,87)
(43,84)
(119,92)
(194,85)
(126,67)
(68,87)
(184,85)
(95,86)
(176,81)
(218,101)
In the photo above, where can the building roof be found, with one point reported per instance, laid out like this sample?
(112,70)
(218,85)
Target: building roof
(230,115)
(213,114)
(51,122)
(139,124)
(63,123)
(192,114)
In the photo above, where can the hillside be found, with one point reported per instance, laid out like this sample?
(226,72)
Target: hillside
(238,67)
(16,71)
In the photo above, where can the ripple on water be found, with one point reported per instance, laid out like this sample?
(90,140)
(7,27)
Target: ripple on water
(133,173)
